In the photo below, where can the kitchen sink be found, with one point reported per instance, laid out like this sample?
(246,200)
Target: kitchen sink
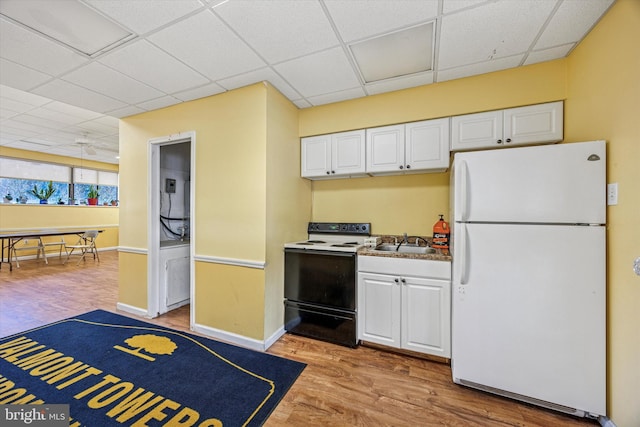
(405,249)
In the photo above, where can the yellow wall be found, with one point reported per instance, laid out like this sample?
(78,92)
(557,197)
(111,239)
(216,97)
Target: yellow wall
(412,203)
(17,217)
(604,103)
(237,186)
(288,203)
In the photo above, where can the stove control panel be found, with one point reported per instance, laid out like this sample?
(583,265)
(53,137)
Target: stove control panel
(360,228)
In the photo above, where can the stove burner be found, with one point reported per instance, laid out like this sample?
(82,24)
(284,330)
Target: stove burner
(305,243)
(344,245)
(311,242)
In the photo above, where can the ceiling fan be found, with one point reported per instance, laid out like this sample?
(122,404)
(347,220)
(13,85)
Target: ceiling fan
(86,146)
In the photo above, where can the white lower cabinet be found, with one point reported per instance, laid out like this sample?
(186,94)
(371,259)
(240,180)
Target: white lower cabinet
(405,303)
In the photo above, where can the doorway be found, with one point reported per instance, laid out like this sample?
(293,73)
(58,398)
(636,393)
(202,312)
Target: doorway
(170,222)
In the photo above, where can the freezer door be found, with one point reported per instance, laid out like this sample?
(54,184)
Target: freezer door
(529,312)
(562,183)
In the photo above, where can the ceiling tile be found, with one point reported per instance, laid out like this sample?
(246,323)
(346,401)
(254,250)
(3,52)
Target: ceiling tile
(121,112)
(342,95)
(358,19)
(142,16)
(511,28)
(146,63)
(400,83)
(55,116)
(571,22)
(263,74)
(199,92)
(155,104)
(320,73)
(548,54)
(19,76)
(302,27)
(109,82)
(79,113)
(226,55)
(26,48)
(479,68)
(450,6)
(78,96)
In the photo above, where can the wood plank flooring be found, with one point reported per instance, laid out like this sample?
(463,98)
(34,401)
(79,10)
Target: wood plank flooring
(339,387)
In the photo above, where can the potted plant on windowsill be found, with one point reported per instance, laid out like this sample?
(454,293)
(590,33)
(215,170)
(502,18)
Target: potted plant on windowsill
(43,193)
(92,196)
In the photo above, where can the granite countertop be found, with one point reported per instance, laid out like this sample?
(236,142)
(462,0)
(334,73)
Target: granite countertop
(391,239)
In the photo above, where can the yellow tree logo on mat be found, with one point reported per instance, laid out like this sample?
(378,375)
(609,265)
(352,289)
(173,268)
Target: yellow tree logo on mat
(150,343)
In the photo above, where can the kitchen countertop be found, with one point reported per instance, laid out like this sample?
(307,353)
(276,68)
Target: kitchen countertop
(391,239)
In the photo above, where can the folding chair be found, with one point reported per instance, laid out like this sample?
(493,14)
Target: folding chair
(86,244)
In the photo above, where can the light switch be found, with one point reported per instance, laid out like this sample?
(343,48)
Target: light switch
(612,194)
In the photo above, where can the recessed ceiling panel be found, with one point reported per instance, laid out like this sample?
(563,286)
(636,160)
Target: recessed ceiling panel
(405,52)
(34,51)
(71,23)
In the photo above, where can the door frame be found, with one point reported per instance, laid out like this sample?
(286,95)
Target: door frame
(153,220)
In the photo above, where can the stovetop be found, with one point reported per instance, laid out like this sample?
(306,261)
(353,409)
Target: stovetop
(337,237)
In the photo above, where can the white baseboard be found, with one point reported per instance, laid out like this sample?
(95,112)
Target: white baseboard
(231,338)
(274,337)
(140,312)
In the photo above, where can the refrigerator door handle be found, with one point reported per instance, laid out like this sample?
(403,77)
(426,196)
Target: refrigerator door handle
(461,195)
(461,257)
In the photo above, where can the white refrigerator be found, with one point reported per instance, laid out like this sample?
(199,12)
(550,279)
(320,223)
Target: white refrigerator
(529,285)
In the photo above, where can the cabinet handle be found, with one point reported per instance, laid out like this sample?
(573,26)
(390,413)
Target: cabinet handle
(408,166)
(403,281)
(333,171)
(499,141)
(401,167)
(396,280)
(328,173)
(508,139)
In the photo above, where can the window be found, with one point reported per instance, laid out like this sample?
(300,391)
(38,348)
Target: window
(71,185)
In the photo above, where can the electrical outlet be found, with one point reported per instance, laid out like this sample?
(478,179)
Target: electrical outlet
(612,194)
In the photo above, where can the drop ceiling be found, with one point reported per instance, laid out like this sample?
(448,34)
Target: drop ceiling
(64,88)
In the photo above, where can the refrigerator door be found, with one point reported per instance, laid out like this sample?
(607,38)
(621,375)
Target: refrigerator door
(529,313)
(563,183)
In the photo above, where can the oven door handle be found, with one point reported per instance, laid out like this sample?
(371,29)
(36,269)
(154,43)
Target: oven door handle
(316,252)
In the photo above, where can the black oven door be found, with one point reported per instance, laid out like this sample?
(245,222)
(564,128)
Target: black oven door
(320,278)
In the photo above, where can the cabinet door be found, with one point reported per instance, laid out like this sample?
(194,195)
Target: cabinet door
(475,131)
(347,153)
(385,149)
(427,146)
(316,156)
(379,308)
(533,124)
(426,316)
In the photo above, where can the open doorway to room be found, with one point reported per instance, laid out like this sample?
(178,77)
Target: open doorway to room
(171,185)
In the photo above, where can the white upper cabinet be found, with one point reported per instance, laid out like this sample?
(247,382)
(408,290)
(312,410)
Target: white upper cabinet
(408,148)
(337,155)
(533,124)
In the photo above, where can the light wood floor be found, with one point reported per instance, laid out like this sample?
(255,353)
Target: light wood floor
(339,387)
